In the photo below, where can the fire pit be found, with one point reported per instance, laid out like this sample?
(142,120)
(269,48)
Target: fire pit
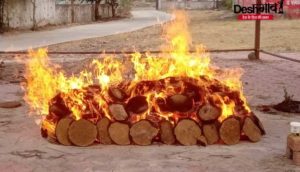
(177,99)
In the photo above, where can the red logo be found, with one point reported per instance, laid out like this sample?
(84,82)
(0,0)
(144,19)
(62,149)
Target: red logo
(261,11)
(267,10)
(255,17)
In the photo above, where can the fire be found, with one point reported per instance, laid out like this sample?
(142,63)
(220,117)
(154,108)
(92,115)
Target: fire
(40,76)
(87,95)
(177,61)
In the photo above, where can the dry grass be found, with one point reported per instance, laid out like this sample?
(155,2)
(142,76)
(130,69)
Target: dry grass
(206,27)
(277,35)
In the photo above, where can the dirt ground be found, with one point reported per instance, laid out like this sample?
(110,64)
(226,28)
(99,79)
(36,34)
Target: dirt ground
(214,29)
(23,149)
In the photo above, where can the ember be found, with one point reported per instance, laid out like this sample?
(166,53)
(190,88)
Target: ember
(179,98)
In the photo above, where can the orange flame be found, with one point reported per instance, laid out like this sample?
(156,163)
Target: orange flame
(45,79)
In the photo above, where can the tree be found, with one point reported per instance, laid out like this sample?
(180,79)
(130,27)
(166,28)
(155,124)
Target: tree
(124,7)
(97,3)
(1,15)
(34,26)
(72,11)
(97,15)
(114,5)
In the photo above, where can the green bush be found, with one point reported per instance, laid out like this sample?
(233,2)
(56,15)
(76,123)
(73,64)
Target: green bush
(228,4)
(124,7)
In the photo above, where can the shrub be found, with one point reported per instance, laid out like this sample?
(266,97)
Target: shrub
(124,7)
(227,4)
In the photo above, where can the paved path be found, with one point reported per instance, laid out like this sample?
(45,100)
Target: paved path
(139,20)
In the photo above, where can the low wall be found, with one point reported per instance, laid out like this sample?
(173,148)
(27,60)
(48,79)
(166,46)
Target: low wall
(83,13)
(19,13)
(206,4)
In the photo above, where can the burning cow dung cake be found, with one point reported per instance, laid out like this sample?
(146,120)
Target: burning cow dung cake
(177,99)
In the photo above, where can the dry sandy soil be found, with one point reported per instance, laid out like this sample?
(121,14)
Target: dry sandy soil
(214,29)
(23,149)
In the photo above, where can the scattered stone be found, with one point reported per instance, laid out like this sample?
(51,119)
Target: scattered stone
(15,81)
(2,64)
(252,56)
(10,104)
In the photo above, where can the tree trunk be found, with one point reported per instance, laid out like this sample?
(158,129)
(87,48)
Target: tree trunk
(2,3)
(82,132)
(209,113)
(179,102)
(114,5)
(103,134)
(210,131)
(47,132)
(97,15)
(187,132)
(137,105)
(113,10)
(117,94)
(119,133)
(143,133)
(118,112)
(167,135)
(230,131)
(34,26)
(258,123)
(58,108)
(61,131)
(251,130)
(72,11)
